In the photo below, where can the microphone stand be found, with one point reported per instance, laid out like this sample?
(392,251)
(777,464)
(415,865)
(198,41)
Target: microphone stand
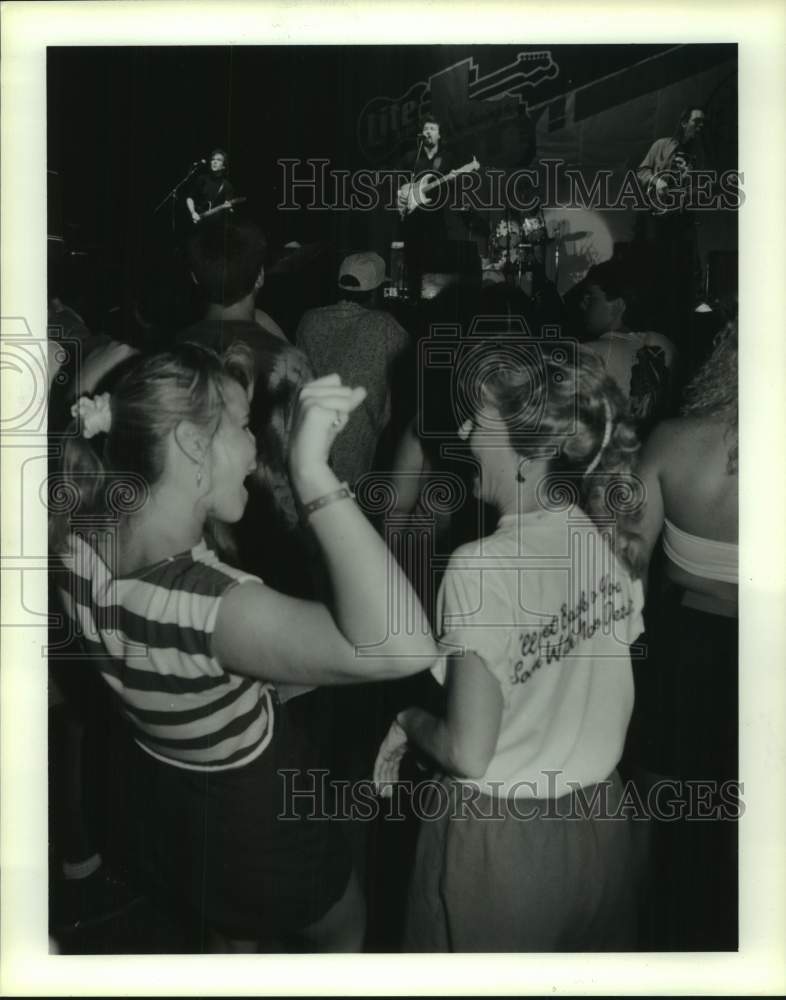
(418,151)
(405,232)
(173,193)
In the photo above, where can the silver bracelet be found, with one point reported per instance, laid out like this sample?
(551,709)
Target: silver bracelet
(342,493)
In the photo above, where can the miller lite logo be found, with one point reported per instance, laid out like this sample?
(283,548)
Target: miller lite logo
(462,100)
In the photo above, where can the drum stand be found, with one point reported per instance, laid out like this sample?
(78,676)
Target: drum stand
(508,268)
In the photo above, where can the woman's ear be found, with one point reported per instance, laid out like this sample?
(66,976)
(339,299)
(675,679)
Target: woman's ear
(191,441)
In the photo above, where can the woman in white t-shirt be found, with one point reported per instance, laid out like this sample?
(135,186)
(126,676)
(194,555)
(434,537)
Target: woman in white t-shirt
(525,844)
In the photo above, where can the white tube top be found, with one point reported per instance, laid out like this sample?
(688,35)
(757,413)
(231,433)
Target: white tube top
(701,556)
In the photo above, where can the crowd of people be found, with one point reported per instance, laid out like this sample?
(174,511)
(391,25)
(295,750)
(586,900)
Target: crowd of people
(357,552)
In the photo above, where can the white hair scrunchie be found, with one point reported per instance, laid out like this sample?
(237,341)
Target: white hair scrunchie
(604,443)
(95,415)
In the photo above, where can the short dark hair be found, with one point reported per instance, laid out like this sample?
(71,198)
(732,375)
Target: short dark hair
(688,111)
(685,117)
(424,119)
(613,280)
(226,260)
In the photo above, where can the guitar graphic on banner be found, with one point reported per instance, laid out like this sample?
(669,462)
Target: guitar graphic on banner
(529,70)
(412,196)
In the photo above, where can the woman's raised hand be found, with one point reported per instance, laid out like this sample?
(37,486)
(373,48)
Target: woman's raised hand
(322,412)
(388,762)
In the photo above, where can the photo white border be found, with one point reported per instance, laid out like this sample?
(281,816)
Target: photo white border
(26,968)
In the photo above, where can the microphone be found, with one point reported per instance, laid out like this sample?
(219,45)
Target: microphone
(198,163)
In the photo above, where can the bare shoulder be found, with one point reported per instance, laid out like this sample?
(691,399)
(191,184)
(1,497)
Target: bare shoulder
(683,438)
(665,444)
(662,437)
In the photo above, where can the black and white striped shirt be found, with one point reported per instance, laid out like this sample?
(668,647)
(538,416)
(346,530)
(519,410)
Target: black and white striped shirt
(149,634)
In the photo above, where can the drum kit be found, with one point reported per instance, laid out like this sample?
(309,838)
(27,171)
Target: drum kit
(522,247)
(517,246)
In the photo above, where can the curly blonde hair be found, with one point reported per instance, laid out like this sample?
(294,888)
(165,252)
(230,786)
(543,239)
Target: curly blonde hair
(714,390)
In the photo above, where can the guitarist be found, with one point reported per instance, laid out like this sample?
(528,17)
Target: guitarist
(425,231)
(669,158)
(210,189)
(667,234)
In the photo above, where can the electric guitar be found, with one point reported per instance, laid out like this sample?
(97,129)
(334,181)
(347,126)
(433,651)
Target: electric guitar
(412,196)
(223,207)
(671,197)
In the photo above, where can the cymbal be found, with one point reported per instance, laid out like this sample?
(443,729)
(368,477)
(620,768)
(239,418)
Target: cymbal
(572,237)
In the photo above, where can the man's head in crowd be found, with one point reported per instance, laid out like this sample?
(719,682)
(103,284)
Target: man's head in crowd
(606,298)
(227,261)
(360,277)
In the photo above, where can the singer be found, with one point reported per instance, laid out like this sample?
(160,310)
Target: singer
(423,230)
(209,189)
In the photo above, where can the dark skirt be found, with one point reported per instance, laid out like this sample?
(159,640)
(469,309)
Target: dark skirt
(538,875)
(253,852)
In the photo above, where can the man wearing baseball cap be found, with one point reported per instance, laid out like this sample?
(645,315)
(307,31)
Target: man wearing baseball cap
(361,342)
(362,272)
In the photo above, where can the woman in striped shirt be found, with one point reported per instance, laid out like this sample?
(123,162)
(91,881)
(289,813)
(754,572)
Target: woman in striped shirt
(194,649)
